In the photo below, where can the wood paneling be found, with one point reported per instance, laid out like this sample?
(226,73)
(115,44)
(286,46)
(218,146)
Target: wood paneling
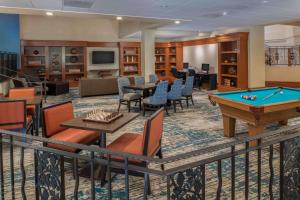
(102,44)
(282,84)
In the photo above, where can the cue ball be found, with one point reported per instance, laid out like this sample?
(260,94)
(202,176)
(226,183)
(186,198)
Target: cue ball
(280,92)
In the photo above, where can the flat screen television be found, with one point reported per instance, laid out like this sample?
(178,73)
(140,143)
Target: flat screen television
(205,67)
(103,57)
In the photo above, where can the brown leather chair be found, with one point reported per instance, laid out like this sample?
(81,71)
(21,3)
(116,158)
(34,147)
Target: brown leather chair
(53,116)
(147,143)
(13,116)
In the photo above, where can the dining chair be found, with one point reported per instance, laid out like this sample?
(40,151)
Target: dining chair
(159,98)
(175,94)
(153,78)
(147,143)
(187,90)
(25,93)
(127,96)
(139,80)
(13,116)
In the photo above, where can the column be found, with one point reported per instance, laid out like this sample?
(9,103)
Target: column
(148,53)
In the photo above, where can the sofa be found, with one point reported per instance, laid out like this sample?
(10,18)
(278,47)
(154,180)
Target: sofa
(98,86)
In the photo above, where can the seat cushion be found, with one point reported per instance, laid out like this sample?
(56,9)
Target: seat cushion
(131,96)
(128,143)
(75,136)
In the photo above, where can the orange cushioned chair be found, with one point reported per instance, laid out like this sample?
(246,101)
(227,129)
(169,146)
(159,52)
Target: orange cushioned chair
(53,116)
(13,116)
(148,143)
(23,93)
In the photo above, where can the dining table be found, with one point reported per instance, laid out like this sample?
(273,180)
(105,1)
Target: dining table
(145,88)
(103,129)
(37,101)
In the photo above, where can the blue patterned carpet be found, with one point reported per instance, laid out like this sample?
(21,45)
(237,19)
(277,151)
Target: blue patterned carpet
(193,128)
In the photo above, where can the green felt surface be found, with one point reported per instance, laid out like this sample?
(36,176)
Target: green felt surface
(286,95)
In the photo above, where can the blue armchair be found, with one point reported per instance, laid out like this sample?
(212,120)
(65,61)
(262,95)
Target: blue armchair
(175,94)
(153,78)
(127,96)
(158,100)
(139,80)
(187,90)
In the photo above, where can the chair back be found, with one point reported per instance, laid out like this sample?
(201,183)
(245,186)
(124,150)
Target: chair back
(153,133)
(139,80)
(188,87)
(161,93)
(54,115)
(176,90)
(153,78)
(192,72)
(13,114)
(21,92)
(123,81)
(174,72)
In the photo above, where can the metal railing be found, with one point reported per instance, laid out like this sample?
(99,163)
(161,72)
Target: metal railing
(232,169)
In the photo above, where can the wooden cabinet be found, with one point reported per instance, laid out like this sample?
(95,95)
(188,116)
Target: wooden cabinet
(130,58)
(54,60)
(167,55)
(233,62)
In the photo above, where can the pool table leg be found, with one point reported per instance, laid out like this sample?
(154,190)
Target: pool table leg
(229,126)
(283,122)
(255,130)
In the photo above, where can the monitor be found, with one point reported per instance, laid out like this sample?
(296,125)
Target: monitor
(185,65)
(205,67)
(103,57)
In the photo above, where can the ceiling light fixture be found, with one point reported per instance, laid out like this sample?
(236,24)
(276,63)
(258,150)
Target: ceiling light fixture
(49,13)
(119,18)
(265,1)
(177,22)
(225,13)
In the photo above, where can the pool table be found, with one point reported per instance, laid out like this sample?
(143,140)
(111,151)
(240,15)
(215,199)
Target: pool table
(271,105)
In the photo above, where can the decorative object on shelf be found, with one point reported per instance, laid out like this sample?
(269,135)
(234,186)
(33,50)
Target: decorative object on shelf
(232,70)
(36,52)
(74,51)
(232,60)
(73,59)
(232,83)
(100,116)
(34,62)
(225,61)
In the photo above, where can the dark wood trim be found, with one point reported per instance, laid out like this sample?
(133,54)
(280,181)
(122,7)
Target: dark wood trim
(102,44)
(212,40)
(53,43)
(282,84)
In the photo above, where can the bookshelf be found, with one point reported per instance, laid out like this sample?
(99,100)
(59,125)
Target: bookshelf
(54,60)
(130,58)
(233,62)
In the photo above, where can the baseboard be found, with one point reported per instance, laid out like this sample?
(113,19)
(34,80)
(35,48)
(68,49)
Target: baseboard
(282,84)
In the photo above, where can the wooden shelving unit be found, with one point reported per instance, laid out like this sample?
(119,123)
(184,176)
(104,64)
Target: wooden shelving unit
(233,62)
(130,58)
(54,60)
(168,55)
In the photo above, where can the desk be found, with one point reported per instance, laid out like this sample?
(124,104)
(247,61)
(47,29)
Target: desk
(37,102)
(145,88)
(210,79)
(103,129)
(257,113)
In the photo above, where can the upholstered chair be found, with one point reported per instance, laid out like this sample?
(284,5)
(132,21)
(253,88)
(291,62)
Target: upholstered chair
(147,143)
(13,116)
(175,94)
(127,96)
(187,90)
(158,100)
(139,80)
(153,78)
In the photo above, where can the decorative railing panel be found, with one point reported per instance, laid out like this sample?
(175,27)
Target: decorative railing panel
(282,55)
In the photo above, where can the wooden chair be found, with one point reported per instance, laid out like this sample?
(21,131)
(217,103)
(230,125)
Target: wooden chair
(148,144)
(13,116)
(53,116)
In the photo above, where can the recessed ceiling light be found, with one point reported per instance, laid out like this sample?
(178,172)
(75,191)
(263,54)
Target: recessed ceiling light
(225,13)
(49,13)
(177,22)
(265,1)
(119,18)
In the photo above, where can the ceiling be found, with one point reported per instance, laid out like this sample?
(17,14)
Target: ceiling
(195,15)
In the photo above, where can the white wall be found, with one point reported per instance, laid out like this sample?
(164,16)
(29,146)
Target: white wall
(66,28)
(196,55)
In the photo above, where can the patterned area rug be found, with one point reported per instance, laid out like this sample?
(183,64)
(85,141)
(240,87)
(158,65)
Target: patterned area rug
(189,129)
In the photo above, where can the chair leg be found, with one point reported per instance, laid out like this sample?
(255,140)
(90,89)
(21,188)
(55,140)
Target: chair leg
(128,105)
(187,101)
(144,111)
(192,100)
(149,185)
(166,108)
(174,105)
(119,106)
(180,103)
(160,155)
(140,102)
(73,168)
(103,175)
